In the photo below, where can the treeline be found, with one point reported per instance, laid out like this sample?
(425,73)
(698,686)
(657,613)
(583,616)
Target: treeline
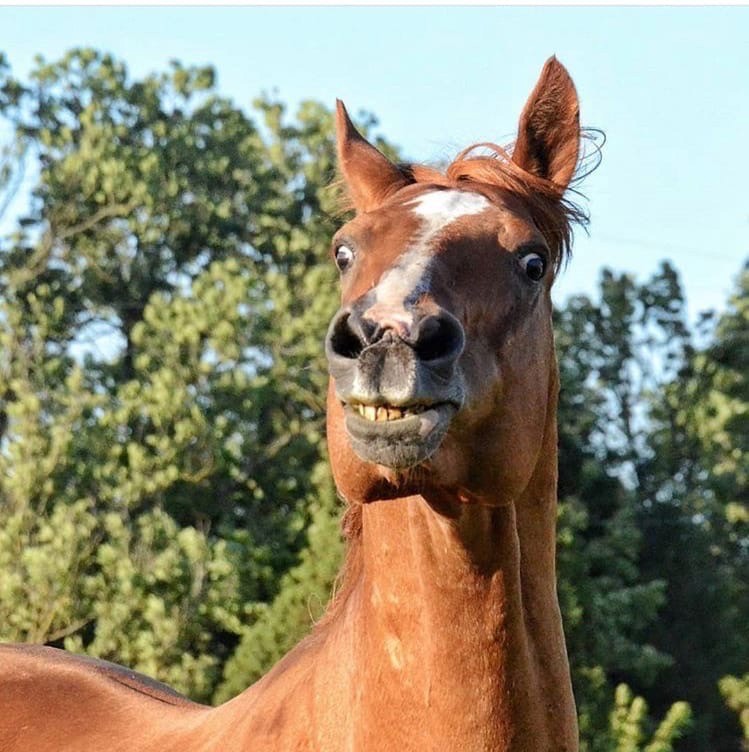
(164,495)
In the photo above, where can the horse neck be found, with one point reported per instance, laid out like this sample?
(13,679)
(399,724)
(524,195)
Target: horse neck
(455,622)
(446,635)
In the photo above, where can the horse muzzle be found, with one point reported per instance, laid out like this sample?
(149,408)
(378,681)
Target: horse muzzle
(400,385)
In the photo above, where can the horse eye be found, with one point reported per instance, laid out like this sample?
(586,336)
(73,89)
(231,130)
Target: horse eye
(343,257)
(534,265)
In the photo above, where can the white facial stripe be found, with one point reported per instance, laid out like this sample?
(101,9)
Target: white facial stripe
(409,277)
(440,208)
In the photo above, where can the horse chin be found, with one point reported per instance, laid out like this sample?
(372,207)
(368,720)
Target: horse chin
(399,444)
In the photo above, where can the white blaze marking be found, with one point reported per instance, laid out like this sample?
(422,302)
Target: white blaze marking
(409,277)
(440,208)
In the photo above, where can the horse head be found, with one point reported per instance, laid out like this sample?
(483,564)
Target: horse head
(441,354)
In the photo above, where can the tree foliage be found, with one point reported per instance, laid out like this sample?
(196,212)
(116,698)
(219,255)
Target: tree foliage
(165,500)
(163,304)
(629,718)
(653,553)
(735,690)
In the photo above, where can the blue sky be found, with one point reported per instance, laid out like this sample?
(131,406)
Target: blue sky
(668,85)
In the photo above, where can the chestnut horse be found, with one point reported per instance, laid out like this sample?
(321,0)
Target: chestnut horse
(445,633)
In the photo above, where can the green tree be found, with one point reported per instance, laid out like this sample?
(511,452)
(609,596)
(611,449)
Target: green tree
(607,603)
(735,690)
(653,492)
(629,721)
(164,303)
(164,495)
(691,517)
(303,593)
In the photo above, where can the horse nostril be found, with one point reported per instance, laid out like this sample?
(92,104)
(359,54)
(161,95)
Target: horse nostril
(343,340)
(439,337)
(434,339)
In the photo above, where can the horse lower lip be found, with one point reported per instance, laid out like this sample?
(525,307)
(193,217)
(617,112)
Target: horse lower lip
(410,428)
(399,443)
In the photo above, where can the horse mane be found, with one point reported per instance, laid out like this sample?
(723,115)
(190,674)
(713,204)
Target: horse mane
(555,215)
(348,576)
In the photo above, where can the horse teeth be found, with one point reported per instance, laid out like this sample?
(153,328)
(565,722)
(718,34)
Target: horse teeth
(386,413)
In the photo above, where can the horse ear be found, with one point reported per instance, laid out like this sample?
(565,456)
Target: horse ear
(369,175)
(548,140)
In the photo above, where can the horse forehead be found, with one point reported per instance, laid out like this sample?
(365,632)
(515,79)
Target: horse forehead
(435,212)
(439,208)
(408,276)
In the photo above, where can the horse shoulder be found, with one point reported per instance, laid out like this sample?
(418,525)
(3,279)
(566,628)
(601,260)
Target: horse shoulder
(53,700)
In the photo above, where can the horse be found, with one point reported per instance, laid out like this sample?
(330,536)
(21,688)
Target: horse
(445,631)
